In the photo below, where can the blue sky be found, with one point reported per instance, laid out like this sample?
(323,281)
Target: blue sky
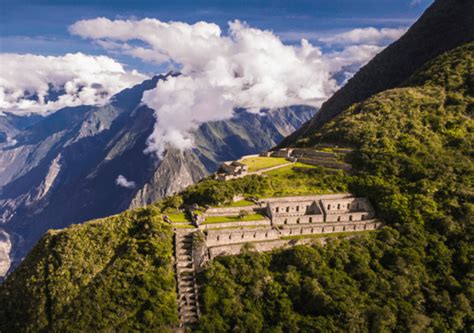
(40,27)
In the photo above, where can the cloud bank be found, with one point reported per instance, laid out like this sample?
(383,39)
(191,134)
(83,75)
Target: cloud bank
(123,182)
(41,84)
(243,68)
(367,36)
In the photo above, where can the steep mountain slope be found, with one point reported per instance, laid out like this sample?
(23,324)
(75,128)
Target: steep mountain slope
(445,25)
(63,168)
(111,274)
(413,159)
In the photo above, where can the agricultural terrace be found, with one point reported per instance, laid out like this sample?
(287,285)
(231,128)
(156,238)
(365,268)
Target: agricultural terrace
(234,218)
(259,163)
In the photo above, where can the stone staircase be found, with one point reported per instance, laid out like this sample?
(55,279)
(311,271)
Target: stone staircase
(186,279)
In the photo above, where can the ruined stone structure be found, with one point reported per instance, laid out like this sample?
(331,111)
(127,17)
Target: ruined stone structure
(329,159)
(232,170)
(290,216)
(285,222)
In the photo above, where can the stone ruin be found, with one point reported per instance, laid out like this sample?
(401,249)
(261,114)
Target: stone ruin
(284,217)
(284,222)
(232,170)
(333,159)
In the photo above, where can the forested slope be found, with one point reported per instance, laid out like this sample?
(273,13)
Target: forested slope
(413,159)
(113,274)
(445,25)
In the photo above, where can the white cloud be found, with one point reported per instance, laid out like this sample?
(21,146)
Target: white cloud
(27,81)
(370,35)
(247,68)
(123,182)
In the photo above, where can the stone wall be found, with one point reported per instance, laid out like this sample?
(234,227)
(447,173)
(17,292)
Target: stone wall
(293,208)
(329,228)
(223,211)
(264,223)
(343,205)
(310,218)
(306,198)
(223,237)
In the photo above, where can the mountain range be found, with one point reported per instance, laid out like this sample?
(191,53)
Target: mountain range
(408,121)
(62,169)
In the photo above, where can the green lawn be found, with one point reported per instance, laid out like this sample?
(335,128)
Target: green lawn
(288,170)
(234,218)
(240,203)
(259,163)
(178,217)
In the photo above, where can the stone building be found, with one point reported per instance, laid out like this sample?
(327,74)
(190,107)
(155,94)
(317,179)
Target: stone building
(347,209)
(232,170)
(284,152)
(294,212)
(286,217)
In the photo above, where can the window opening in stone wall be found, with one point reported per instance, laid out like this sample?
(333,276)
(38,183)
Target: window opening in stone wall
(338,206)
(297,208)
(310,220)
(287,209)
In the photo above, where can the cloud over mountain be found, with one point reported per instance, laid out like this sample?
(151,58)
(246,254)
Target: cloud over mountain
(41,84)
(124,182)
(368,36)
(242,68)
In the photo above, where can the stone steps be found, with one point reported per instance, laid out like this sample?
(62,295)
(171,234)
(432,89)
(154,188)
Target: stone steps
(188,307)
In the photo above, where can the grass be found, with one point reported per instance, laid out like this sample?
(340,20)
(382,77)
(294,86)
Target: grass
(240,203)
(238,227)
(288,170)
(178,217)
(234,218)
(259,163)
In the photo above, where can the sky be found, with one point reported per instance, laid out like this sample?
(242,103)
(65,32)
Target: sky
(41,26)
(231,54)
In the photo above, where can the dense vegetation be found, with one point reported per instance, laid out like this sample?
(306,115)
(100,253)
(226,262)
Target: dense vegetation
(413,150)
(413,159)
(445,25)
(297,179)
(113,274)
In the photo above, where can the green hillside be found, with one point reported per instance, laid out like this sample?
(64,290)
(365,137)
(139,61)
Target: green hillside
(412,156)
(445,25)
(113,274)
(413,159)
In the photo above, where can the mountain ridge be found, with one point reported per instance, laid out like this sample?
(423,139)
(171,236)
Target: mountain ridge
(441,28)
(63,168)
